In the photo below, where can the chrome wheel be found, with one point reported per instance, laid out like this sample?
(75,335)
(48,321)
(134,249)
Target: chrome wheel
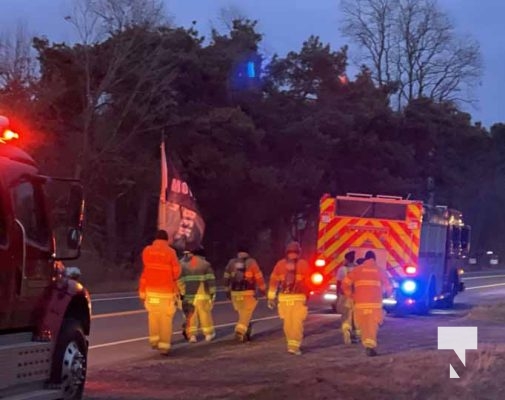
(73,371)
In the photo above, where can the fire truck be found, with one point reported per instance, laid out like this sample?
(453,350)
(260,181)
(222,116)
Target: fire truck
(421,247)
(44,310)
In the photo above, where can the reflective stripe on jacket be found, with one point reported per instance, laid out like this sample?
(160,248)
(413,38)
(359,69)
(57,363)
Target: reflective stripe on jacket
(280,273)
(253,276)
(197,281)
(365,284)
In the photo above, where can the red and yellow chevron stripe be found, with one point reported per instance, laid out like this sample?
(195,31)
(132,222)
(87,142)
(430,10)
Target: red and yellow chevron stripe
(337,235)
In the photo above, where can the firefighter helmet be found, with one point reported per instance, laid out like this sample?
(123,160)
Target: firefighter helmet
(293,247)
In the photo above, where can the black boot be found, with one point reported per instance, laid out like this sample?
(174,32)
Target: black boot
(371,352)
(184,334)
(248,334)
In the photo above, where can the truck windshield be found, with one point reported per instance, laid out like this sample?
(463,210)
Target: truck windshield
(370,209)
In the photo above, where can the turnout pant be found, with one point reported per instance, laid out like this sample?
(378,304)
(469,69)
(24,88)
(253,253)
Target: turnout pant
(346,308)
(244,304)
(368,321)
(199,315)
(161,310)
(293,312)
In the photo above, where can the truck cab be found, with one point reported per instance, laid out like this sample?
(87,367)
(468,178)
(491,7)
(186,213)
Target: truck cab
(44,310)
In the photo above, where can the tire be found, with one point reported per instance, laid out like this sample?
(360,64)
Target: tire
(427,304)
(70,360)
(448,302)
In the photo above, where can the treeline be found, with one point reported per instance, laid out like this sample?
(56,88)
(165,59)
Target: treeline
(258,141)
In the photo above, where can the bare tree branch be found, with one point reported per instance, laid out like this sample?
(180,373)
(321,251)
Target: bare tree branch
(17,61)
(413,43)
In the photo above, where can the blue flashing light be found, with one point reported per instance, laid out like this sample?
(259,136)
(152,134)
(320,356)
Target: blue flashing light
(251,69)
(409,286)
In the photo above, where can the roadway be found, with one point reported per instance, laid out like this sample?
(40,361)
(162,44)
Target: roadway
(119,322)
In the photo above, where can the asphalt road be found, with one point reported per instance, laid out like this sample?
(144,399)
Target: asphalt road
(119,322)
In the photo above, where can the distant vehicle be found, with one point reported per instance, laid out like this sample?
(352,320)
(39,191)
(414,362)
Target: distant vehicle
(422,248)
(44,310)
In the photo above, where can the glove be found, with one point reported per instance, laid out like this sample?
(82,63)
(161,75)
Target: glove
(228,295)
(271,304)
(178,302)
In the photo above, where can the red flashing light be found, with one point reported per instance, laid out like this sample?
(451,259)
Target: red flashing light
(411,270)
(317,278)
(9,135)
(320,262)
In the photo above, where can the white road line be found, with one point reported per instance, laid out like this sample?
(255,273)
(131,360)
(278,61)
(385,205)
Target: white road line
(482,277)
(131,295)
(134,312)
(485,286)
(118,314)
(114,298)
(99,346)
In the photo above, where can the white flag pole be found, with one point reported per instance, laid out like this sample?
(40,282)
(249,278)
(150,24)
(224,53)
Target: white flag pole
(162,211)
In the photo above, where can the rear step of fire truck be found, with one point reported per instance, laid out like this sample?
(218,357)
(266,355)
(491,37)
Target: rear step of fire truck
(25,367)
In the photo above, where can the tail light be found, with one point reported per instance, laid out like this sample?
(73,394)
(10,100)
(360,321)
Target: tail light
(411,270)
(317,278)
(320,262)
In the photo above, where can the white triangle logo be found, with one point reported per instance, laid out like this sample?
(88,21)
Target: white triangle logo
(452,372)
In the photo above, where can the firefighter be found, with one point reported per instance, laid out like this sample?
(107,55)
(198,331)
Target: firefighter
(242,277)
(198,285)
(289,279)
(158,289)
(344,303)
(366,284)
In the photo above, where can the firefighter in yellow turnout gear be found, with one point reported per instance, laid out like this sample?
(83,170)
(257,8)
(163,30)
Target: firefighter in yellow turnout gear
(345,303)
(366,284)
(158,289)
(198,288)
(289,280)
(242,277)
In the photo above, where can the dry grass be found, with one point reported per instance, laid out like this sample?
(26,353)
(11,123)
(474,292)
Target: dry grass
(327,370)
(489,313)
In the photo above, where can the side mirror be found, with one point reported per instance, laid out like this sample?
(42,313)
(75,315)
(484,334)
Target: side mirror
(74,239)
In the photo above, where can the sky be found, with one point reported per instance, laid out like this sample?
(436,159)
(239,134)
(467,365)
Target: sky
(287,23)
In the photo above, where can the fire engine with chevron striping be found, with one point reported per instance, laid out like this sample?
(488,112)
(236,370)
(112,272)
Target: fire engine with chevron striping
(421,247)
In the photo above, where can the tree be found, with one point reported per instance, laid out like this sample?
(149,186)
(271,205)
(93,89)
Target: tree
(17,61)
(413,44)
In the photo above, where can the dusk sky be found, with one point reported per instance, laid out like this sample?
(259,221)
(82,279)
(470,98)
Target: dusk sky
(287,23)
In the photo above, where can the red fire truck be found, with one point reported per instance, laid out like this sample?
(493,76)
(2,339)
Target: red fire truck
(421,247)
(44,310)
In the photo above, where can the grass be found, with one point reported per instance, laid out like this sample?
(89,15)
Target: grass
(489,313)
